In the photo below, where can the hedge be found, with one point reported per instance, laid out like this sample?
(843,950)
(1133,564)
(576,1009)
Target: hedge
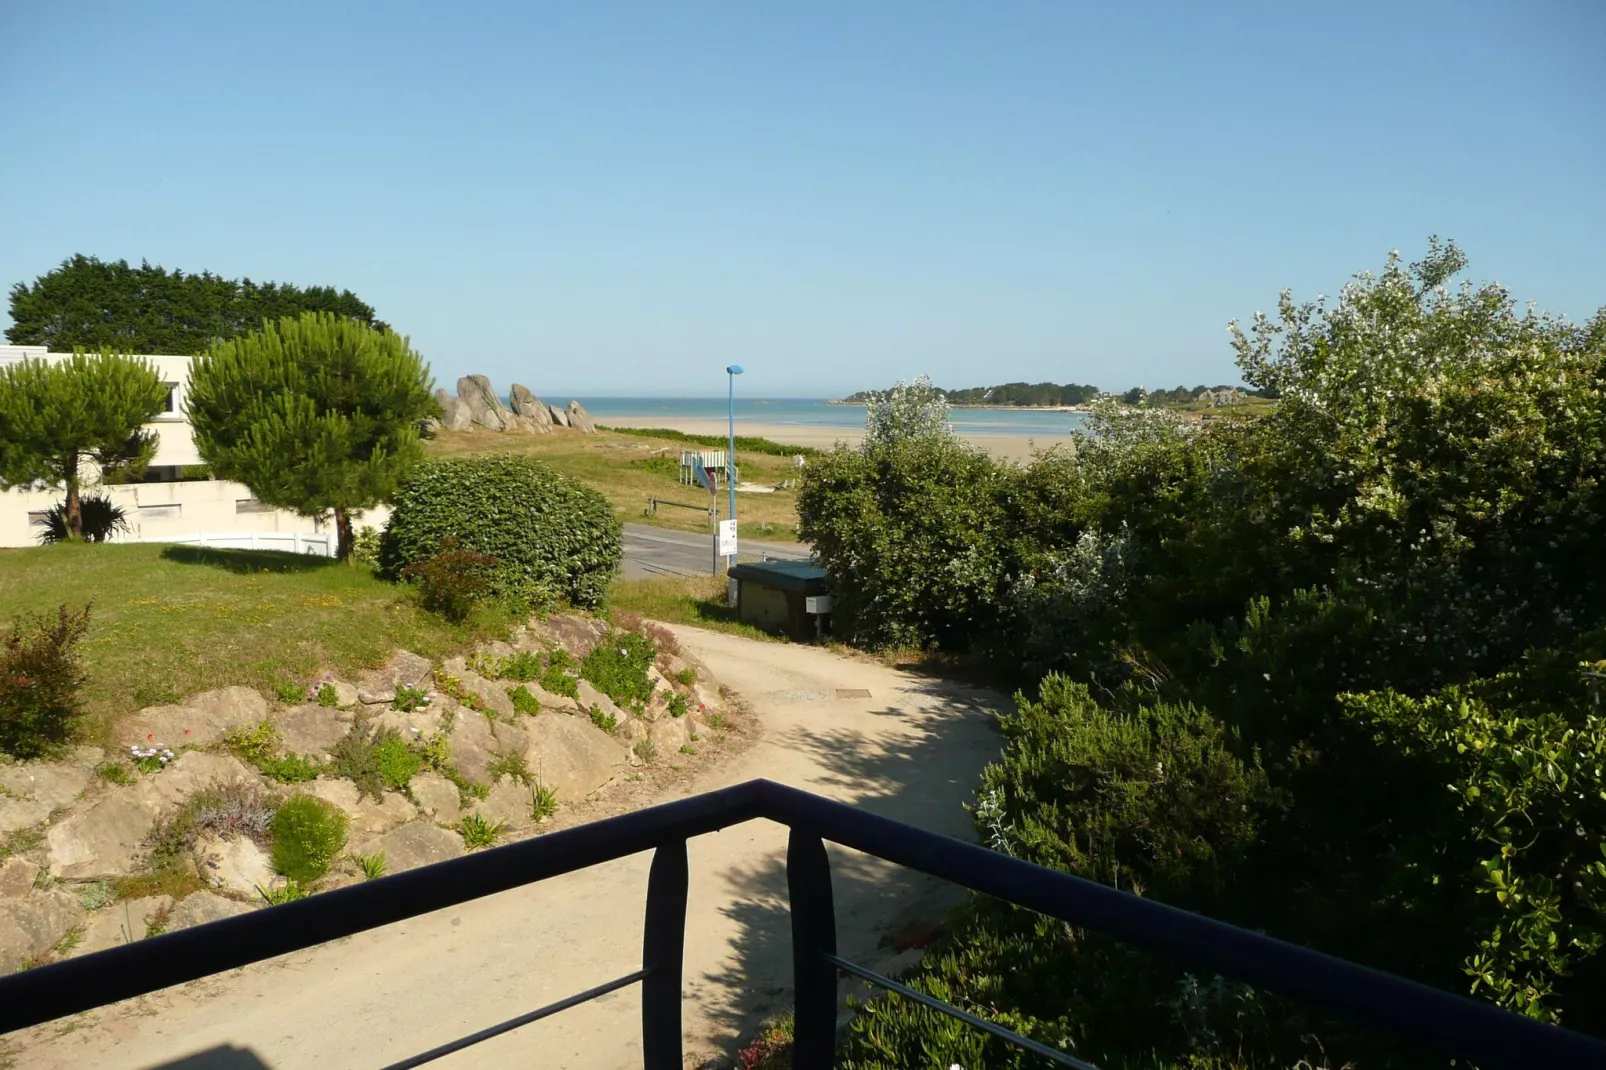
(552,536)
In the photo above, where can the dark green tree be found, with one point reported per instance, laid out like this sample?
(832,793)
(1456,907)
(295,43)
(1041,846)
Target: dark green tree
(101,305)
(64,422)
(315,413)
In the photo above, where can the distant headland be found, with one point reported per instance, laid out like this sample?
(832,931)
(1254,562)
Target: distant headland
(1075,397)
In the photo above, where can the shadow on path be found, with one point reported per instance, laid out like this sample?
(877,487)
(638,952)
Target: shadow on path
(923,775)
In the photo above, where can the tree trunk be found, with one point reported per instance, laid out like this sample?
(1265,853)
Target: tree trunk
(344,542)
(74,508)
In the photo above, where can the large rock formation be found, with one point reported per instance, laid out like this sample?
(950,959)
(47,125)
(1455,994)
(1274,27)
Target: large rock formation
(484,406)
(532,408)
(580,420)
(477,406)
(454,413)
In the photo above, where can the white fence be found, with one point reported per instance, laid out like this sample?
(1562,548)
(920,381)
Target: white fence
(292,542)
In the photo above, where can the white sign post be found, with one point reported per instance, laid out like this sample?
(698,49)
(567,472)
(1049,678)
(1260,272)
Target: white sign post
(727,538)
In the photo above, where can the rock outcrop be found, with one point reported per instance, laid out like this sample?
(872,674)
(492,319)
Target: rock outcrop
(570,754)
(30,927)
(83,828)
(30,793)
(416,844)
(234,865)
(455,415)
(121,923)
(311,730)
(198,908)
(367,816)
(103,840)
(477,406)
(580,420)
(532,408)
(485,408)
(202,720)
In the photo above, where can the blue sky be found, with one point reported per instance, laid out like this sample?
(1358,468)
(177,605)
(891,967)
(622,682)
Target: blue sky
(621,198)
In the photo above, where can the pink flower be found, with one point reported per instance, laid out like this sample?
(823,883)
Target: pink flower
(151,736)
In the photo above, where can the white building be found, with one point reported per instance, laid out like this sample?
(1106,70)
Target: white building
(165,507)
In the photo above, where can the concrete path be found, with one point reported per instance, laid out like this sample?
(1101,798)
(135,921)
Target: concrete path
(912,750)
(651,551)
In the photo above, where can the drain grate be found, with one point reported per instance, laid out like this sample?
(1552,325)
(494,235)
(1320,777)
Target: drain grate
(853,692)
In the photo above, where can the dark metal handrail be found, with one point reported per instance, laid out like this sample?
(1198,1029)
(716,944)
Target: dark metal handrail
(1452,1024)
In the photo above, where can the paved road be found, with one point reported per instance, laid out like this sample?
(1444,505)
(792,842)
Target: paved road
(651,551)
(912,750)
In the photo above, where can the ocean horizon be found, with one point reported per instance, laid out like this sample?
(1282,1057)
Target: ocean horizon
(821,412)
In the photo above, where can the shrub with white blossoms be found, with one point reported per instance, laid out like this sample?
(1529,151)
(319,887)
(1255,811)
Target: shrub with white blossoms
(150,759)
(908,410)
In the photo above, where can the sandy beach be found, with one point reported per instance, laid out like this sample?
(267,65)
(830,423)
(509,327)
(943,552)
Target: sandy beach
(1011,447)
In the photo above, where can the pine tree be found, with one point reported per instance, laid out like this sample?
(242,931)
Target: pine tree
(98,304)
(314,413)
(63,422)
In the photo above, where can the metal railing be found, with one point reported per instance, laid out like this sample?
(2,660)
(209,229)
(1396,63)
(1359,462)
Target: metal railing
(1437,1020)
(654,503)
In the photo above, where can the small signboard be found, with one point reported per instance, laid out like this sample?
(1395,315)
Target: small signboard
(727,538)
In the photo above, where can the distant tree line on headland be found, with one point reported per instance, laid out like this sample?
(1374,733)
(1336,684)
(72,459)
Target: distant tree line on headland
(1047,395)
(111,306)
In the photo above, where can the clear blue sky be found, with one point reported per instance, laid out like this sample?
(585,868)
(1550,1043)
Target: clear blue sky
(621,198)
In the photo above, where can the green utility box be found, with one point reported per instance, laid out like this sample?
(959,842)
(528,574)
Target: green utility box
(789,597)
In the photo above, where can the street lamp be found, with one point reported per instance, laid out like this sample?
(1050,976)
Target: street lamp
(730,458)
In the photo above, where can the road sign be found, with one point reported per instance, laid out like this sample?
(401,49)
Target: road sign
(727,538)
(707,477)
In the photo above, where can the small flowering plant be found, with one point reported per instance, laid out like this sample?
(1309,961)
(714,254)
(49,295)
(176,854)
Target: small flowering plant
(323,693)
(151,758)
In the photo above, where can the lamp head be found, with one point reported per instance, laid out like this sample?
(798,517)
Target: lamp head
(734,369)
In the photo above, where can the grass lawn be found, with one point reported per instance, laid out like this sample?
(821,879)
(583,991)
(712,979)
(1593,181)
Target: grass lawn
(631,468)
(694,600)
(168,621)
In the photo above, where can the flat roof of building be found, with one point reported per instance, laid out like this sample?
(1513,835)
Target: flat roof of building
(783,575)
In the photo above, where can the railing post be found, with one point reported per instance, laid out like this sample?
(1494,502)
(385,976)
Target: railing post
(663,945)
(808,883)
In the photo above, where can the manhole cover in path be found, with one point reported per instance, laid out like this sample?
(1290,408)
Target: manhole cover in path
(853,692)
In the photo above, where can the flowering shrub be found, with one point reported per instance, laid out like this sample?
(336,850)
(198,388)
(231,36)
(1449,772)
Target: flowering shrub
(149,759)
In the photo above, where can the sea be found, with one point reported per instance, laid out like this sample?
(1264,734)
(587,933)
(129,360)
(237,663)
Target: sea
(809,412)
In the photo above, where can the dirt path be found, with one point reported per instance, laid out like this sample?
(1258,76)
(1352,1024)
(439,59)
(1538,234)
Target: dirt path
(911,751)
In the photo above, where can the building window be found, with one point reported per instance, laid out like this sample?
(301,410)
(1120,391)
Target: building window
(38,518)
(251,505)
(172,397)
(161,512)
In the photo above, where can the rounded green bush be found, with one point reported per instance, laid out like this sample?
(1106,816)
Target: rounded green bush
(308,835)
(550,534)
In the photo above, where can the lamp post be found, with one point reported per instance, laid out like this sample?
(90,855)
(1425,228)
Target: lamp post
(730,458)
